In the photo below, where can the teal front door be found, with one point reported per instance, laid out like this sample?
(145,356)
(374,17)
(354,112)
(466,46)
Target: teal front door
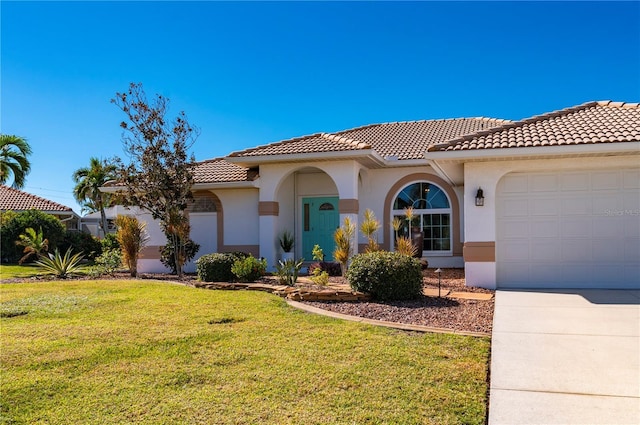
(320,219)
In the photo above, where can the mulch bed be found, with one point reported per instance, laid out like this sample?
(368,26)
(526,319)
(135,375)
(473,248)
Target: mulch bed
(445,313)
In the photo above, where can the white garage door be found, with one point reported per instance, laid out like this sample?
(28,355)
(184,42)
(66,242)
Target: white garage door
(569,230)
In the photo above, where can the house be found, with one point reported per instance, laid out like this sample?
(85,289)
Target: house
(17,200)
(558,205)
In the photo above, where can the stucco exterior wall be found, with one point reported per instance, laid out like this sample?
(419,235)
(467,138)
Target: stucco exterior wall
(241,223)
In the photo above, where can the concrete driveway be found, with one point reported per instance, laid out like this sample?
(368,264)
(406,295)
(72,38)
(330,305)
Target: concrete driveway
(565,357)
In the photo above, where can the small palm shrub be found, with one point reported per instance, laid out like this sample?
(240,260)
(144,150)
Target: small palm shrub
(61,266)
(34,244)
(249,269)
(13,225)
(287,271)
(215,267)
(386,275)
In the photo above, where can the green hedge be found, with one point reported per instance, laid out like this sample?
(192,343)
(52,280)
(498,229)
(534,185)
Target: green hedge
(13,225)
(217,267)
(386,275)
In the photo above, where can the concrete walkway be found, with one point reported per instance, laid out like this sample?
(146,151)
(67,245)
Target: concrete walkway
(565,357)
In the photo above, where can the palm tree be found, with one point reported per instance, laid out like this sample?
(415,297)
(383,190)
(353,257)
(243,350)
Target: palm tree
(88,182)
(13,159)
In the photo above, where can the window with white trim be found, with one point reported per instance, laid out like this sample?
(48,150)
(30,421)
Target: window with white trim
(432,216)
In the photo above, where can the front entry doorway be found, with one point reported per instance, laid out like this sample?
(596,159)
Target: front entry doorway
(320,219)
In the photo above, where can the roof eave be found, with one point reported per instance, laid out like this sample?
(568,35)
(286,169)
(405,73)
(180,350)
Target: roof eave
(253,161)
(536,151)
(245,184)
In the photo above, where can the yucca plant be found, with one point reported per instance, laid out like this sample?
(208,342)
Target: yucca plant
(405,246)
(410,215)
(369,227)
(61,266)
(344,246)
(132,237)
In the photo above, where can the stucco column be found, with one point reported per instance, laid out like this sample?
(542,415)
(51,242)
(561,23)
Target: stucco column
(268,220)
(480,224)
(350,208)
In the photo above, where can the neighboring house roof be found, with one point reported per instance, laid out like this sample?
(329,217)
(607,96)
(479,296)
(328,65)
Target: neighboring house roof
(590,123)
(17,200)
(402,140)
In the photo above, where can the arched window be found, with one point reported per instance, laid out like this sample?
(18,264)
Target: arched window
(432,216)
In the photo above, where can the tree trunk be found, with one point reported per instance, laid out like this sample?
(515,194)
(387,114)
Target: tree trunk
(103,221)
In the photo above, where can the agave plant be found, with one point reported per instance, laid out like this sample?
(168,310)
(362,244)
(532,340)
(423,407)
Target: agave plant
(61,266)
(287,271)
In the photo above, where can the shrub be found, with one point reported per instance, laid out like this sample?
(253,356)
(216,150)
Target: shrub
(386,275)
(215,267)
(287,271)
(320,277)
(168,258)
(249,269)
(110,241)
(83,242)
(13,225)
(61,266)
(107,263)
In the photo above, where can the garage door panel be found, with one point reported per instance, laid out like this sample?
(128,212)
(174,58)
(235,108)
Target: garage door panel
(632,248)
(607,250)
(515,251)
(516,229)
(545,207)
(545,250)
(574,205)
(585,232)
(575,227)
(606,180)
(545,228)
(544,183)
(515,184)
(631,179)
(545,273)
(574,181)
(607,227)
(517,208)
(576,250)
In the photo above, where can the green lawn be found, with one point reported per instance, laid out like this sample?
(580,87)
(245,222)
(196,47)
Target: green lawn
(153,352)
(8,271)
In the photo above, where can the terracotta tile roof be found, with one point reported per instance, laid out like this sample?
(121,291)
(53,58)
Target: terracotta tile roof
(320,142)
(218,170)
(17,200)
(590,123)
(410,140)
(404,140)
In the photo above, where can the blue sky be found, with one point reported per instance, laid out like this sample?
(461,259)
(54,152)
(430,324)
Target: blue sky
(250,73)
